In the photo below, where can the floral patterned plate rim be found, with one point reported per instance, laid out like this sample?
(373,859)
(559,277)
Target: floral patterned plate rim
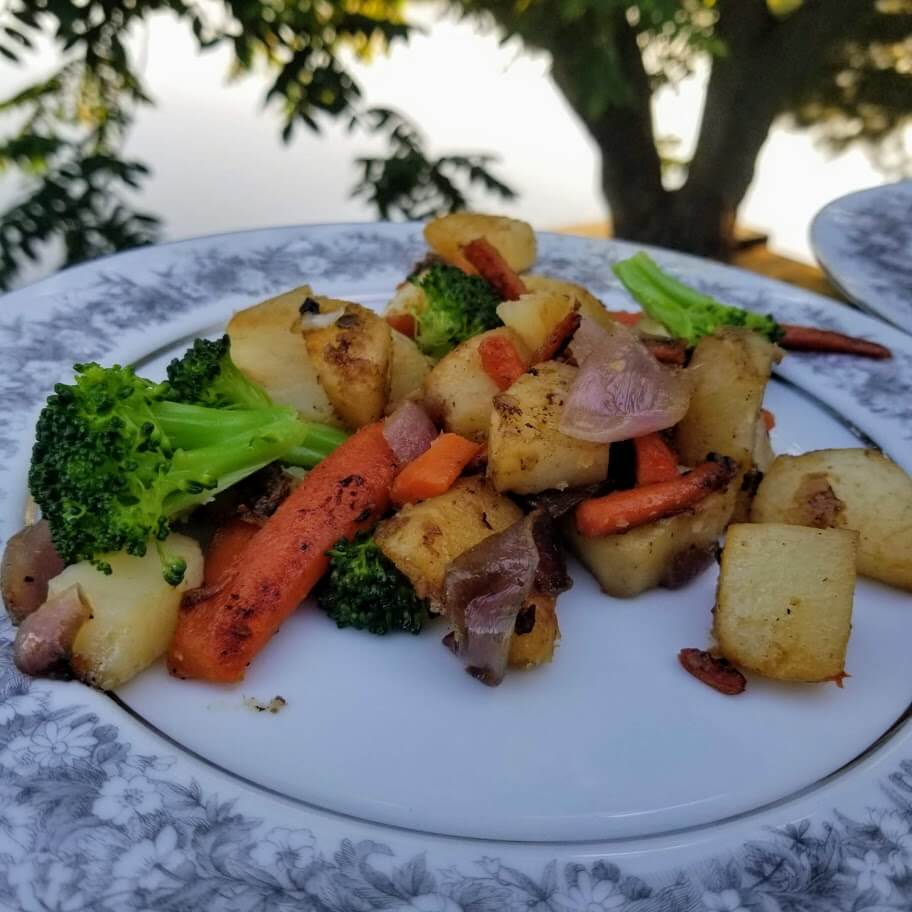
(97,813)
(863,241)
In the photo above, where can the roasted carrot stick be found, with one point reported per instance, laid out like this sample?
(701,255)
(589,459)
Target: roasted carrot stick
(492,267)
(769,419)
(809,339)
(622,510)
(435,470)
(501,361)
(655,460)
(219,636)
(227,543)
(627,317)
(559,336)
(402,322)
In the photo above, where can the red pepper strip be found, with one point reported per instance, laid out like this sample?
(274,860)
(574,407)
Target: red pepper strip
(809,339)
(492,267)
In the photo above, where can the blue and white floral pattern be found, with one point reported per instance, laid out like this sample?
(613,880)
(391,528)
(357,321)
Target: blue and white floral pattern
(864,242)
(90,821)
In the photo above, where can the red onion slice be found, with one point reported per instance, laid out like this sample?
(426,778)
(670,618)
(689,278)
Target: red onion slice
(409,432)
(621,391)
(44,641)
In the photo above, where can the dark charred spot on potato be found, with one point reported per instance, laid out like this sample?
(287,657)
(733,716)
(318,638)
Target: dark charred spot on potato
(28,579)
(485,521)
(688,563)
(507,406)
(429,536)
(751,481)
(525,620)
(533,371)
(817,501)
(309,306)
(348,320)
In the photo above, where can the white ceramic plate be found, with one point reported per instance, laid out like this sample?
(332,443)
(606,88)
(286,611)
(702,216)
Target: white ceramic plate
(863,242)
(392,780)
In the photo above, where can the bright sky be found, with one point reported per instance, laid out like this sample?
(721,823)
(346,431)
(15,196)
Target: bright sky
(219,165)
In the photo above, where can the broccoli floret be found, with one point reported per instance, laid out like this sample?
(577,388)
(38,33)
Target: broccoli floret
(683,311)
(114,462)
(457,307)
(206,376)
(363,589)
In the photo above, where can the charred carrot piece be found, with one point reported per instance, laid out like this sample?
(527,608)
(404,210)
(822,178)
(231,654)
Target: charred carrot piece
(227,543)
(768,418)
(810,339)
(623,510)
(655,460)
(435,470)
(501,361)
(402,322)
(559,336)
(219,636)
(627,317)
(492,267)
(674,351)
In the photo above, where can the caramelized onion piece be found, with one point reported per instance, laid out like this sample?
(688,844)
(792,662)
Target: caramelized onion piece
(44,641)
(29,562)
(409,432)
(621,391)
(487,586)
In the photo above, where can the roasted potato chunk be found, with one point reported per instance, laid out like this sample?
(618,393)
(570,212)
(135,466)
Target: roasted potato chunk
(846,489)
(514,240)
(352,356)
(668,552)
(458,392)
(526,451)
(729,372)
(266,346)
(784,603)
(422,539)
(536,633)
(133,611)
(408,368)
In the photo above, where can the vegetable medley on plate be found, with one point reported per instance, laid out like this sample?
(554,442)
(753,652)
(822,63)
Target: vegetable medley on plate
(425,470)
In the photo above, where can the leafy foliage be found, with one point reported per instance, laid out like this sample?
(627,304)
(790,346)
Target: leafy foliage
(845,76)
(407,182)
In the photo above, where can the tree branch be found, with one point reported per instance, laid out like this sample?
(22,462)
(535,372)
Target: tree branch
(622,129)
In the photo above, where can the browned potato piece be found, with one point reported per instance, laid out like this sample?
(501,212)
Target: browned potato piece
(526,451)
(668,552)
(784,603)
(408,368)
(352,357)
(729,371)
(459,394)
(535,646)
(515,240)
(267,347)
(847,489)
(422,539)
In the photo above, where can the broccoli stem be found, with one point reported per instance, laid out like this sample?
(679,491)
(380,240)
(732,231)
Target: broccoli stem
(639,280)
(198,474)
(197,426)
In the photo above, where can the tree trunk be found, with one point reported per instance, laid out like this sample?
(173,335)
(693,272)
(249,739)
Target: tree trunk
(766,61)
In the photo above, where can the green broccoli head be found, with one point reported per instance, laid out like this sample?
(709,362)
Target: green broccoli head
(363,589)
(457,307)
(206,375)
(685,312)
(114,463)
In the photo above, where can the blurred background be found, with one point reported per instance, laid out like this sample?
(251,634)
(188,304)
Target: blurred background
(691,124)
